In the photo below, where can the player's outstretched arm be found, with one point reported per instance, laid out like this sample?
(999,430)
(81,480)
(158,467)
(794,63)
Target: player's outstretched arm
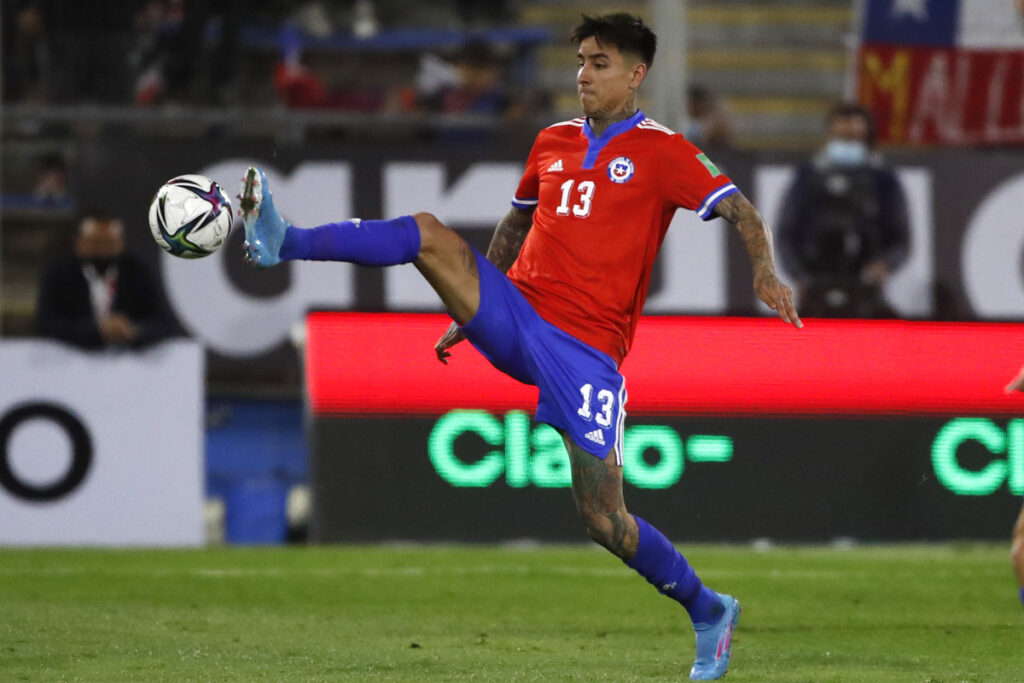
(757,238)
(504,249)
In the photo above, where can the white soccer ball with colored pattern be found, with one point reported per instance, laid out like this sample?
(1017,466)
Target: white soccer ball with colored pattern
(190,216)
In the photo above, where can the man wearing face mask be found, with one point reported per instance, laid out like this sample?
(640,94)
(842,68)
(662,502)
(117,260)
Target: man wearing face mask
(102,296)
(844,226)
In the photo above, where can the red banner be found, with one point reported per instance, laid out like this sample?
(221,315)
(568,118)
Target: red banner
(384,364)
(943,96)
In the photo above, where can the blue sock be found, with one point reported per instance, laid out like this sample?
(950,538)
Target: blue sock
(660,563)
(368,243)
(1022,595)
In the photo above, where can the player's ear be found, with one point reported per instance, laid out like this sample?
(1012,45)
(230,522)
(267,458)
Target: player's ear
(639,73)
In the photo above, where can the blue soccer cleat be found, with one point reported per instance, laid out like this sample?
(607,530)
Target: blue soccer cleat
(264,227)
(714,643)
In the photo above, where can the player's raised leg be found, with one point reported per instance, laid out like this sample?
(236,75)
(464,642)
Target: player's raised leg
(597,489)
(444,258)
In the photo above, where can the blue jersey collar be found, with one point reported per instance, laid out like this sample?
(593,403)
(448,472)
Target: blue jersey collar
(596,144)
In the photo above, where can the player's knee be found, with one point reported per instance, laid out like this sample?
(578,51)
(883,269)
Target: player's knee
(432,230)
(427,221)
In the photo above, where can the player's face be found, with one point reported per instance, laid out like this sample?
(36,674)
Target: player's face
(606,79)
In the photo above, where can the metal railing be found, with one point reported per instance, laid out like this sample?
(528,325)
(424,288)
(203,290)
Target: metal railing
(273,120)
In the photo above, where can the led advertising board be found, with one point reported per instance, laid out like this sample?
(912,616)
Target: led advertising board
(739,428)
(384,364)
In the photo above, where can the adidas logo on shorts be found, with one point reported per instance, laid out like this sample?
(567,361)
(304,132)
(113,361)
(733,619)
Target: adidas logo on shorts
(555,167)
(596,436)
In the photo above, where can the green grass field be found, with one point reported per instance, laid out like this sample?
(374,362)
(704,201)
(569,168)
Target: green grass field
(892,613)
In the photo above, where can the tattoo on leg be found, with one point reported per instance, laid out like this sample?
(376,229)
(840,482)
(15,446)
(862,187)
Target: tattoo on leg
(597,489)
(468,258)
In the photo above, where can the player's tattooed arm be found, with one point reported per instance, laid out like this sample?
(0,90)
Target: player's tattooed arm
(509,237)
(757,238)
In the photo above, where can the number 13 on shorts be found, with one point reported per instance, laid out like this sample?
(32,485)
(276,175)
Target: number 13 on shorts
(604,405)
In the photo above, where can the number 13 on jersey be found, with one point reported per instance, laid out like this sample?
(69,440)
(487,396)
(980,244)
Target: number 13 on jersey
(579,200)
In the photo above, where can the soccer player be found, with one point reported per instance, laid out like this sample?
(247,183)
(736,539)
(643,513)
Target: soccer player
(557,299)
(1017,548)
(1017,552)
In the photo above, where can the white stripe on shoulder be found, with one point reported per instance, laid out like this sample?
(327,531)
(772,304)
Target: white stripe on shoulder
(650,124)
(574,122)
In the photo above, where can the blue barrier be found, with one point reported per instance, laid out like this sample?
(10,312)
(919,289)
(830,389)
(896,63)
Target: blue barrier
(255,452)
(255,511)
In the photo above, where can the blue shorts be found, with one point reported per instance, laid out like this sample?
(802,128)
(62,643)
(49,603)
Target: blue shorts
(581,390)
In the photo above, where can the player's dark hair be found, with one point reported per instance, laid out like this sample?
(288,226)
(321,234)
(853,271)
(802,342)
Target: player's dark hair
(625,31)
(844,109)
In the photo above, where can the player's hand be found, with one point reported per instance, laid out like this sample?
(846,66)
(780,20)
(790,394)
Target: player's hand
(779,298)
(874,273)
(1017,384)
(118,329)
(449,339)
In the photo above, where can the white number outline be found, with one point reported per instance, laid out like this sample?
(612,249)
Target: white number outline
(586,190)
(563,206)
(607,401)
(605,398)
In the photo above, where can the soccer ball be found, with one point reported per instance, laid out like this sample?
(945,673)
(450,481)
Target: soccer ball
(190,216)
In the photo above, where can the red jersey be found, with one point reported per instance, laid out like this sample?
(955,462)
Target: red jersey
(603,205)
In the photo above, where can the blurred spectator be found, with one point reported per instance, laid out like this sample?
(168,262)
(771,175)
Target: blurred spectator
(297,85)
(102,296)
(312,19)
(27,54)
(152,24)
(364,19)
(433,76)
(844,226)
(708,125)
(170,56)
(52,180)
(117,51)
(184,50)
(476,14)
(300,87)
(473,84)
(89,43)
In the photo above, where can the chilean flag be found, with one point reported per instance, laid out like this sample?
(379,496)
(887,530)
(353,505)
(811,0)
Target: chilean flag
(943,71)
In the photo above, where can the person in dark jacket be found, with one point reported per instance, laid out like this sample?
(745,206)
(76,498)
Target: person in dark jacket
(844,227)
(102,296)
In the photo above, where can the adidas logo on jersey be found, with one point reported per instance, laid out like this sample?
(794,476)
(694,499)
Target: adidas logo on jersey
(555,167)
(596,436)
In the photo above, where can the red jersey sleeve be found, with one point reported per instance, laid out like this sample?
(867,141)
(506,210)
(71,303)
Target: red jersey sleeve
(691,180)
(529,184)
